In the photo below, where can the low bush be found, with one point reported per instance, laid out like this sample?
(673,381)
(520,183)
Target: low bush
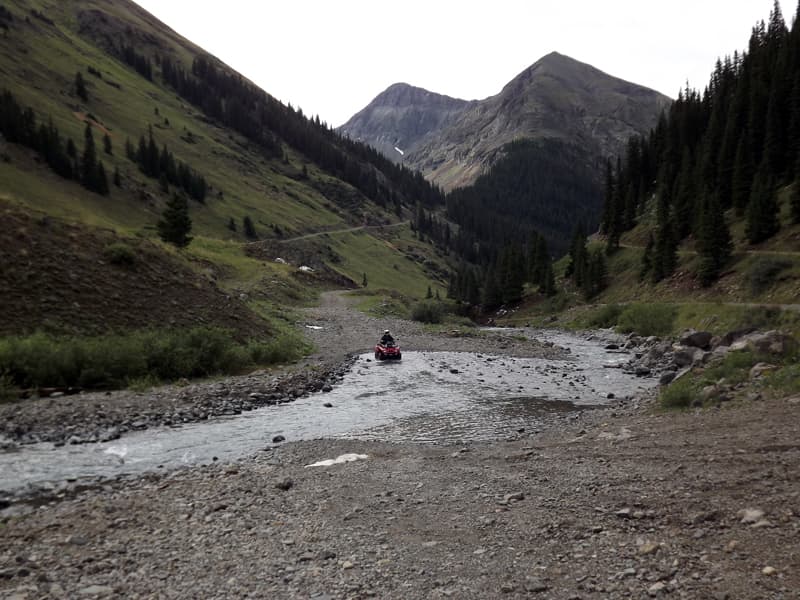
(764,271)
(112,361)
(678,395)
(428,312)
(120,254)
(733,369)
(605,316)
(647,319)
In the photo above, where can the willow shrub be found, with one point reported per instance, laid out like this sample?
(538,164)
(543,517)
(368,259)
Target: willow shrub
(647,319)
(111,361)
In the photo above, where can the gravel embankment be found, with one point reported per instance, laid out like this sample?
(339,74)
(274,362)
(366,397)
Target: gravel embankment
(618,504)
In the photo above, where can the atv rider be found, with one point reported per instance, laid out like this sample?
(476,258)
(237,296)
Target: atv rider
(387,338)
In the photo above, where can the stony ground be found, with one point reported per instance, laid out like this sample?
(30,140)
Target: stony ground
(617,503)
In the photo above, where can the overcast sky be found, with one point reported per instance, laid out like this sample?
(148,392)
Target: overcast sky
(331,57)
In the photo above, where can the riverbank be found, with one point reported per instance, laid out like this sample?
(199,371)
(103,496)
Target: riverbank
(337,331)
(614,503)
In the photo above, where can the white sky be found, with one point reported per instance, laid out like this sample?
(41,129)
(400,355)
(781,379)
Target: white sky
(332,57)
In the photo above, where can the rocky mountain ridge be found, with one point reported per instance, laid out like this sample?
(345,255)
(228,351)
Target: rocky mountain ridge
(555,98)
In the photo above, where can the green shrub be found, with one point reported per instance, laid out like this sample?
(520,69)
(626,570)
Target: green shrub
(647,319)
(111,361)
(428,312)
(764,271)
(120,254)
(605,316)
(8,390)
(678,395)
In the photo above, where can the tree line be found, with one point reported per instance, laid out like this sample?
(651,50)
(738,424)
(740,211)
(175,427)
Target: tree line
(730,148)
(236,103)
(162,165)
(18,125)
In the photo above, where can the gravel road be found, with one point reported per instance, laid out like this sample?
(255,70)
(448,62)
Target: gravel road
(623,502)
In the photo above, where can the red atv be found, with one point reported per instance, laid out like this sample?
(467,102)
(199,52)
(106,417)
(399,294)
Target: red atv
(387,351)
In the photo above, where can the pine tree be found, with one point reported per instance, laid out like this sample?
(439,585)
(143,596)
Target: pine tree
(665,257)
(248,228)
(492,296)
(101,180)
(713,241)
(80,87)
(762,211)
(794,199)
(117,177)
(742,178)
(429,295)
(107,144)
(232,224)
(89,160)
(175,224)
(647,257)
(548,283)
(364,280)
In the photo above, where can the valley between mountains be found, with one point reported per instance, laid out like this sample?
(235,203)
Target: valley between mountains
(594,286)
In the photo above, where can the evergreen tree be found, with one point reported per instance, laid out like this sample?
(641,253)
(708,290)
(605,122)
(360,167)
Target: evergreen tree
(492,296)
(713,241)
(762,211)
(429,295)
(248,228)
(175,225)
(794,199)
(548,281)
(647,257)
(364,280)
(107,144)
(665,257)
(742,179)
(89,160)
(101,180)
(117,177)
(232,224)
(80,87)
(596,273)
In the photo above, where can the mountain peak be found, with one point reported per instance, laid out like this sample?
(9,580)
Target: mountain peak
(400,117)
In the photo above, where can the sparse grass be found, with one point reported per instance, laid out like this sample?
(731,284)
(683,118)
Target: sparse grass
(734,370)
(383,303)
(112,361)
(385,266)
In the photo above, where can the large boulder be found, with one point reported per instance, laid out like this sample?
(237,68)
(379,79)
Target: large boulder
(697,339)
(770,342)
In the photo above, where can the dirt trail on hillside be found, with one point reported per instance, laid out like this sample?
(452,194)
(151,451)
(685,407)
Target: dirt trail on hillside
(615,503)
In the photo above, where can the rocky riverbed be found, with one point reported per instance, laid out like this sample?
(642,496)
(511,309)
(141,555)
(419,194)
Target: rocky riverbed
(338,332)
(615,502)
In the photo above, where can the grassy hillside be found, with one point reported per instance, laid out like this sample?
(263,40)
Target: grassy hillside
(47,42)
(760,286)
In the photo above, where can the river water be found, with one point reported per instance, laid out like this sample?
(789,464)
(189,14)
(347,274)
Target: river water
(428,397)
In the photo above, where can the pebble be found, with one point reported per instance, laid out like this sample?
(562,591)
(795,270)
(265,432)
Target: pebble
(768,571)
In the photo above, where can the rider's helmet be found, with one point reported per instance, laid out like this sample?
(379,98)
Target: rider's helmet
(386,332)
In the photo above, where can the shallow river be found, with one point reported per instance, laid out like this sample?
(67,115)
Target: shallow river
(428,397)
